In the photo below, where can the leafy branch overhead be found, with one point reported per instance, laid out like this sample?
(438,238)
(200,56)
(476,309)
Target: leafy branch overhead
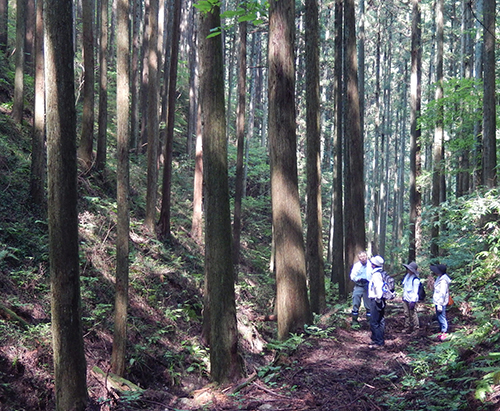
(254,12)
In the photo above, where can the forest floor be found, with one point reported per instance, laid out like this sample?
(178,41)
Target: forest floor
(339,372)
(332,368)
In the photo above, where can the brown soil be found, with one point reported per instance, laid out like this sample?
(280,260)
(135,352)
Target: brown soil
(336,372)
(331,370)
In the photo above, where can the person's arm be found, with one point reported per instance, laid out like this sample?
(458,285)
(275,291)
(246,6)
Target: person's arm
(354,272)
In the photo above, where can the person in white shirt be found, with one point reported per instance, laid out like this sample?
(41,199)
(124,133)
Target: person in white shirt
(441,297)
(377,307)
(360,275)
(410,283)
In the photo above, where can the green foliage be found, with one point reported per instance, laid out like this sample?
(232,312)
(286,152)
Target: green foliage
(252,11)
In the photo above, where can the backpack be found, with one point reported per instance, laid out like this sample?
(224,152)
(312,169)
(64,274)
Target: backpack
(388,287)
(421,290)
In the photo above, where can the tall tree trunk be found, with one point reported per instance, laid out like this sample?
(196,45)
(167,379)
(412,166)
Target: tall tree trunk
(220,307)
(240,138)
(152,118)
(489,101)
(466,69)
(478,74)
(18,103)
(338,265)
(85,150)
(355,213)
(67,339)
(314,243)
(164,223)
(29,38)
(38,157)
(439,129)
(4,25)
(292,303)
(103,89)
(142,141)
(118,355)
(193,94)
(197,223)
(415,102)
(135,75)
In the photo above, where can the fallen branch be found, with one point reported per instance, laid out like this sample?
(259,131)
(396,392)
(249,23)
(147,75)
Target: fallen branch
(12,316)
(245,383)
(113,381)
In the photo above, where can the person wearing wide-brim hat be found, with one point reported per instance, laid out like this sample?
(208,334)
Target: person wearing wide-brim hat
(410,283)
(441,297)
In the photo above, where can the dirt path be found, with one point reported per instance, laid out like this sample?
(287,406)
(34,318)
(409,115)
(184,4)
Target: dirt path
(335,373)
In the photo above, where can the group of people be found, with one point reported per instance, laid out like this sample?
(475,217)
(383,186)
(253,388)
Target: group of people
(368,277)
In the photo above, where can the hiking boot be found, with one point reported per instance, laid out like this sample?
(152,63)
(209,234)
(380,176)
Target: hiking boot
(355,325)
(406,330)
(375,347)
(442,336)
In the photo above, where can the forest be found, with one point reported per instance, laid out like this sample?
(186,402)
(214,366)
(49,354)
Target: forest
(185,187)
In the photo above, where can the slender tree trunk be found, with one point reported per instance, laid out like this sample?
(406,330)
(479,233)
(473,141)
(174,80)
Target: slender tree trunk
(439,128)
(415,102)
(197,224)
(4,21)
(103,89)
(118,355)
(292,303)
(489,101)
(142,142)
(38,157)
(67,339)
(193,95)
(220,307)
(338,266)
(85,150)
(135,75)
(355,214)
(18,103)
(314,243)
(240,138)
(164,223)
(152,121)
(478,74)
(29,38)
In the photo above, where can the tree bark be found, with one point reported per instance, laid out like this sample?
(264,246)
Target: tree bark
(4,21)
(103,90)
(240,138)
(164,223)
(355,239)
(489,105)
(85,150)
(38,152)
(415,103)
(314,243)
(439,129)
(29,38)
(197,223)
(135,75)
(220,324)
(67,338)
(152,120)
(18,103)
(292,303)
(118,355)
(338,262)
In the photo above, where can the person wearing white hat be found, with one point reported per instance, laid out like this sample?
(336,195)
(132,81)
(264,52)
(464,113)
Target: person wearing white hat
(410,284)
(377,303)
